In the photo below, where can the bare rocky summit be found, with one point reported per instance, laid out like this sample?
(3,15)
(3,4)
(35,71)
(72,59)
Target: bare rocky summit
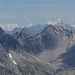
(50,52)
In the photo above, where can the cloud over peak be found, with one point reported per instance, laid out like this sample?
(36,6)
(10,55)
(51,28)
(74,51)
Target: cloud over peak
(8,27)
(54,22)
(28,20)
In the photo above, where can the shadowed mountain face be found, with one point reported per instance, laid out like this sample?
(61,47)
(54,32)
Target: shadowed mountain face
(50,52)
(2,32)
(68,57)
(24,33)
(14,60)
(7,41)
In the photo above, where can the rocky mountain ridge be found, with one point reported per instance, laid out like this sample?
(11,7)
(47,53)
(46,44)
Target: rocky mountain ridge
(46,53)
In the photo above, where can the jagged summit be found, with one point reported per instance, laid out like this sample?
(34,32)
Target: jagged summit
(23,53)
(56,28)
(25,33)
(2,32)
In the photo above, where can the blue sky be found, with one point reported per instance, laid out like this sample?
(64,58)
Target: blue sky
(36,11)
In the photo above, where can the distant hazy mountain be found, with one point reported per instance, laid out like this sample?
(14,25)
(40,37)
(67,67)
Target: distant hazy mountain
(38,28)
(50,52)
(33,29)
(16,29)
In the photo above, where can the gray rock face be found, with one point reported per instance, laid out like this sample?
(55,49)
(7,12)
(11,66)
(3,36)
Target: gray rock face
(50,52)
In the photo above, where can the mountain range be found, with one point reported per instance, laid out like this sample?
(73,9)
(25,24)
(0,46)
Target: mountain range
(34,29)
(47,52)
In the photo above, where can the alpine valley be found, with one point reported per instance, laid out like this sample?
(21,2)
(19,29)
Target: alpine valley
(49,52)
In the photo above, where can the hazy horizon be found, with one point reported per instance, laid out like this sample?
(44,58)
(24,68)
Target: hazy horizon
(26,12)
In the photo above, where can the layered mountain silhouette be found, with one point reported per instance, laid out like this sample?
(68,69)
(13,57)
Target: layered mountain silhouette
(33,29)
(38,28)
(49,52)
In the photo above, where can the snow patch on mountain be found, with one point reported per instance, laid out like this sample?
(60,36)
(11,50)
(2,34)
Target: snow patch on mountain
(10,55)
(14,62)
(12,59)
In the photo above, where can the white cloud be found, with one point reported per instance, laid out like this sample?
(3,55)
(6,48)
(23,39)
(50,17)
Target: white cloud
(58,20)
(51,22)
(72,21)
(73,26)
(27,19)
(54,22)
(29,25)
(8,27)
